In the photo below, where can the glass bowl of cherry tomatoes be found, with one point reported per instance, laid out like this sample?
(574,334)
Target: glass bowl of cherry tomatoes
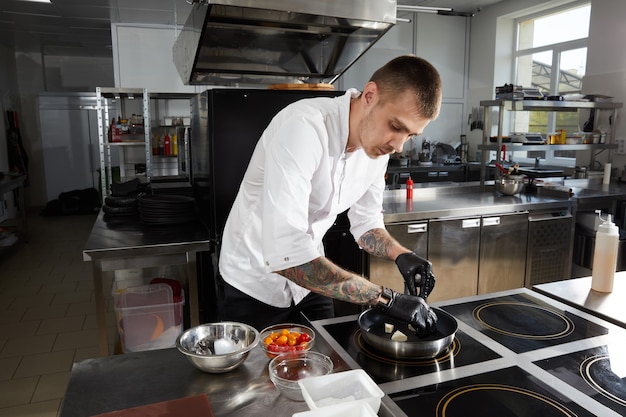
(286,337)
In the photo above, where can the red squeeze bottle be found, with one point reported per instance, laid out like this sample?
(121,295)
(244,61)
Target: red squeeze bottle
(409,188)
(167,148)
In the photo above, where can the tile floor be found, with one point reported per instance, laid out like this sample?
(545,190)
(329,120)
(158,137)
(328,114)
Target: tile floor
(47,314)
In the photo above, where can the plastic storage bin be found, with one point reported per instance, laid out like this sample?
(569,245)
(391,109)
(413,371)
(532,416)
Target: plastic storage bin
(148,318)
(353,386)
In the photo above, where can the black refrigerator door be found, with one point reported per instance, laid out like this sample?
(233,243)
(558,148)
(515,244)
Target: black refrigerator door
(227,136)
(226,125)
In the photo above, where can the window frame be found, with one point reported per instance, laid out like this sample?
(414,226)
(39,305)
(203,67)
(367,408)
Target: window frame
(557,49)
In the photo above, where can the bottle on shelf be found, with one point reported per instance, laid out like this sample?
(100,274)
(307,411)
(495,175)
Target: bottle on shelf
(167,144)
(161,148)
(174,144)
(155,144)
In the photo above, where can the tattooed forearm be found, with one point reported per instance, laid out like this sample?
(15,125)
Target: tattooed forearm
(324,277)
(378,242)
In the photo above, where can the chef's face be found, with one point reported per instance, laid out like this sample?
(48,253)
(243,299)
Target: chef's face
(389,123)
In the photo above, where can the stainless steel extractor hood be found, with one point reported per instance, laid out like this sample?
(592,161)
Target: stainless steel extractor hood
(232,42)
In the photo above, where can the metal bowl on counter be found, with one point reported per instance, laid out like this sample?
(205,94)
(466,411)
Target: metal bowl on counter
(510,184)
(376,331)
(218,347)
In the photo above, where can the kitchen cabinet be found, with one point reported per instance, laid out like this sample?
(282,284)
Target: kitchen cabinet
(453,249)
(132,150)
(550,246)
(502,259)
(500,106)
(470,256)
(413,235)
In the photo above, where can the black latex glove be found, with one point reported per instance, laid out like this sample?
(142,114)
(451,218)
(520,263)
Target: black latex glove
(417,273)
(411,309)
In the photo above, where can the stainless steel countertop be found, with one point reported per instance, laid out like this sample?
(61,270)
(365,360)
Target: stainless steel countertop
(123,381)
(577,292)
(115,240)
(452,199)
(461,199)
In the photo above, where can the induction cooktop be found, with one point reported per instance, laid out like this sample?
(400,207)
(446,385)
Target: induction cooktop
(516,353)
(600,372)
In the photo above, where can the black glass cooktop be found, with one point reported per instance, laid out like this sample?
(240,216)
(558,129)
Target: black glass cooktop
(599,372)
(510,392)
(464,350)
(523,323)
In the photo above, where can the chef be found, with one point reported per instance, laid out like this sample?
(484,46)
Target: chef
(317,158)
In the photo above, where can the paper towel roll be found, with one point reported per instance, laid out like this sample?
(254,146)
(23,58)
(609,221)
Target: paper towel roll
(607,174)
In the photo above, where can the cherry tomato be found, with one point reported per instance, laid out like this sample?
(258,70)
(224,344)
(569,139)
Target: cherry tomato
(304,338)
(282,340)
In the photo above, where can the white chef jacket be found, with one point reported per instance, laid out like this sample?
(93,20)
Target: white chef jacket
(298,180)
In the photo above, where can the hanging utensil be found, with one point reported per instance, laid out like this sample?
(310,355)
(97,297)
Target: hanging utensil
(501,168)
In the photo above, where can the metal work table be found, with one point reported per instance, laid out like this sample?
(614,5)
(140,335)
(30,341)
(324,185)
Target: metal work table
(16,183)
(452,199)
(124,381)
(437,200)
(118,246)
(577,292)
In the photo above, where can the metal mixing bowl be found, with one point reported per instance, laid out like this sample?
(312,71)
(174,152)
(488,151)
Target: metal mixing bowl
(218,347)
(509,186)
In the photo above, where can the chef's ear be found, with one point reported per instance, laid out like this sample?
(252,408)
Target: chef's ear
(370,91)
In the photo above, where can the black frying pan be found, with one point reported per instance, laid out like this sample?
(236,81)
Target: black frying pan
(372,324)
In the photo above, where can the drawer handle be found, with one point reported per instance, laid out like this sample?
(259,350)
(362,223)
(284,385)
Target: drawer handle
(471,223)
(417,228)
(491,221)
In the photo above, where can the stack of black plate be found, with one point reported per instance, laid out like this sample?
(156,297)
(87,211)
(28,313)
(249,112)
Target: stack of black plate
(166,209)
(120,208)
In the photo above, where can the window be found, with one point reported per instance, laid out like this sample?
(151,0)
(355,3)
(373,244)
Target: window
(551,55)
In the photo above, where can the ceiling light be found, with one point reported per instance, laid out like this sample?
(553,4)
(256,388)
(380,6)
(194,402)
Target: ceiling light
(39,1)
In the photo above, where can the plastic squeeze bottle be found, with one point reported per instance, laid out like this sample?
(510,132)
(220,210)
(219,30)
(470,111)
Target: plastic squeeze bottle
(605,257)
(409,188)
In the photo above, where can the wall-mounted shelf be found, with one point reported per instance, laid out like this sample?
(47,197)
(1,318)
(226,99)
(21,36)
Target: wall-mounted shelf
(135,153)
(549,105)
(512,147)
(546,106)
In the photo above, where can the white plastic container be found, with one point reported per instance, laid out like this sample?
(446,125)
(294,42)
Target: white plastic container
(148,318)
(350,409)
(605,257)
(353,386)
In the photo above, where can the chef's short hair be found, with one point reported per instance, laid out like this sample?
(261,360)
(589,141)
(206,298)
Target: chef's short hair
(414,73)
